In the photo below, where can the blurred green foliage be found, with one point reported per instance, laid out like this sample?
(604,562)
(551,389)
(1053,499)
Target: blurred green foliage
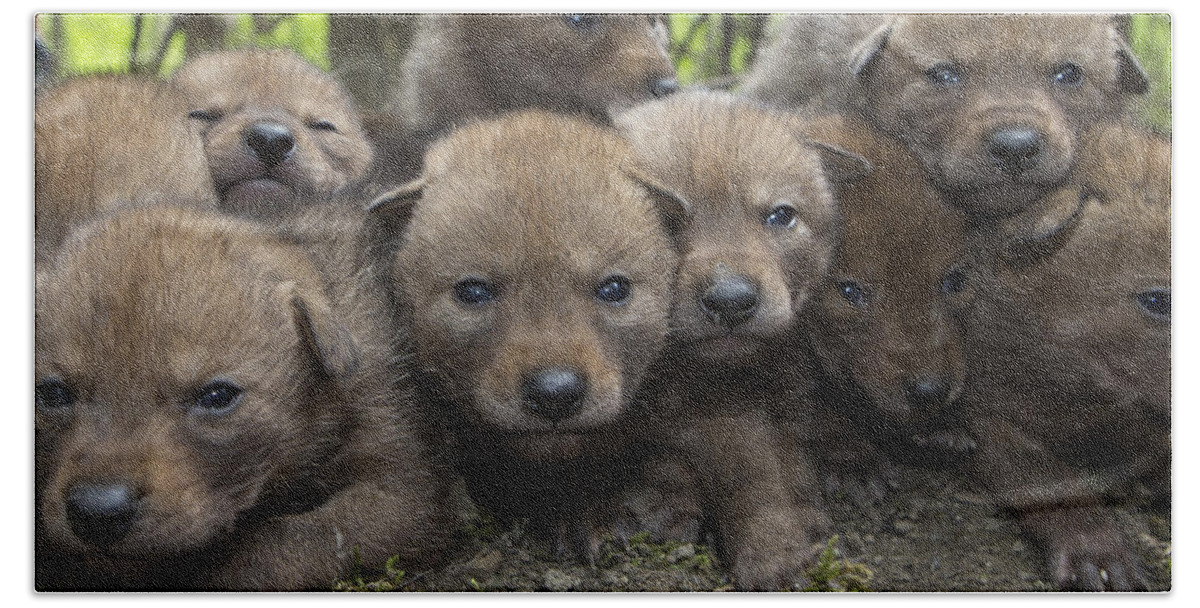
(712,48)
(1150,39)
(709,46)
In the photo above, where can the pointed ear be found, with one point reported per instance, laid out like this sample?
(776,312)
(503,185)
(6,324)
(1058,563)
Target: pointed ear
(842,166)
(325,338)
(673,209)
(1131,76)
(1049,229)
(388,217)
(867,51)
(399,200)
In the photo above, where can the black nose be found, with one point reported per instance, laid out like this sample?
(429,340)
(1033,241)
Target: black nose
(925,392)
(555,393)
(663,87)
(101,513)
(1014,147)
(271,142)
(730,300)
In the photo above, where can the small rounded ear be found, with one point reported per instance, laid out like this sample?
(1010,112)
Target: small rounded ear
(324,337)
(673,209)
(1131,76)
(842,166)
(1048,229)
(865,52)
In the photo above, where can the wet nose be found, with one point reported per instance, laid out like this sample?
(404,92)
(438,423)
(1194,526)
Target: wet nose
(927,392)
(663,87)
(730,300)
(271,142)
(101,513)
(554,393)
(1014,146)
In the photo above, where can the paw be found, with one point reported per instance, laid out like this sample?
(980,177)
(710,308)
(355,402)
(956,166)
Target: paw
(776,551)
(1097,561)
(865,481)
(665,515)
(953,443)
(1087,550)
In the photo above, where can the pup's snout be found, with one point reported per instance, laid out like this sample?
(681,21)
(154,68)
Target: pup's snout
(271,142)
(1014,146)
(554,393)
(101,513)
(730,300)
(927,392)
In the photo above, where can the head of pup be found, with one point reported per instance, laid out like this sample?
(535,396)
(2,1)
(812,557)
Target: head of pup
(994,104)
(105,140)
(535,268)
(888,319)
(278,132)
(189,372)
(763,219)
(571,62)
(1097,288)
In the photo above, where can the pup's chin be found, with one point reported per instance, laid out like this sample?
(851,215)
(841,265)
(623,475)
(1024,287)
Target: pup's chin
(725,348)
(546,447)
(258,198)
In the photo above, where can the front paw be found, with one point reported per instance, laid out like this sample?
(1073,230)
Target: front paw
(665,502)
(1098,560)
(1087,550)
(951,443)
(863,476)
(777,552)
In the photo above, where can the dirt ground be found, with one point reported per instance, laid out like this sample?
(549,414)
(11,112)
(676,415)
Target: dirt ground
(935,532)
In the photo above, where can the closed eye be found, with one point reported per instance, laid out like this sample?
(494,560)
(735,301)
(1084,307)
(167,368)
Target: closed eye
(208,115)
(322,125)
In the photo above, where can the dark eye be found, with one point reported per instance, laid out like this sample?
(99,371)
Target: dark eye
(614,290)
(205,115)
(782,216)
(1068,75)
(955,281)
(474,291)
(853,293)
(1156,303)
(53,394)
(322,125)
(944,75)
(218,397)
(580,21)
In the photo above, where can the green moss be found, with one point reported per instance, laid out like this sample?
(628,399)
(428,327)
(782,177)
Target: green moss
(480,527)
(833,573)
(392,578)
(641,552)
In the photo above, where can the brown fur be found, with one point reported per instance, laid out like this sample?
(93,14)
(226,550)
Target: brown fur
(235,95)
(320,459)
(1007,65)
(543,209)
(886,323)
(1072,404)
(104,141)
(721,379)
(465,67)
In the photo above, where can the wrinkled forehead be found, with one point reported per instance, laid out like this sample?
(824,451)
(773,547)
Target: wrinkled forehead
(268,81)
(526,227)
(144,319)
(1004,40)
